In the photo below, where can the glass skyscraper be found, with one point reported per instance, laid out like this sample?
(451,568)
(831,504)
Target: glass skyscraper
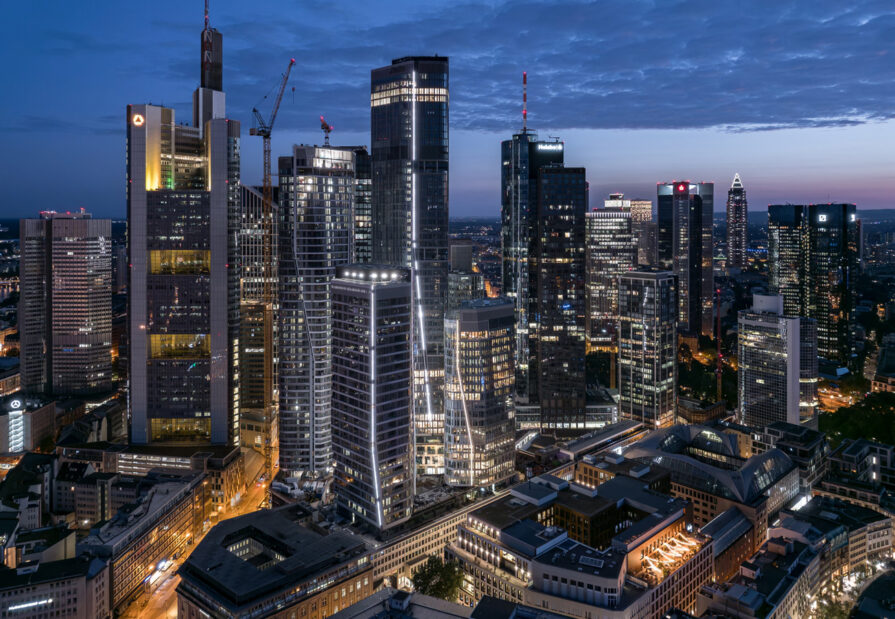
(363,202)
(409,102)
(479,393)
(685,248)
(317,188)
(737,224)
(786,259)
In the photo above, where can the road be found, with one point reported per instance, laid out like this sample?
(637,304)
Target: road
(162,599)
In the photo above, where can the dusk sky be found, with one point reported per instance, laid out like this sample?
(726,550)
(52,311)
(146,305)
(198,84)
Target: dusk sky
(797,97)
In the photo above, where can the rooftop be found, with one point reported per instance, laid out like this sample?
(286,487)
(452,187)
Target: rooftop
(50,572)
(390,603)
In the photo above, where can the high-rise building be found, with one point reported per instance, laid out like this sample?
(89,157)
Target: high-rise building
(647,347)
(183,296)
(770,375)
(409,138)
(557,307)
(685,248)
(786,260)
(610,251)
(258,334)
(372,423)
(464,284)
(65,304)
(479,393)
(363,202)
(521,158)
(642,225)
(737,224)
(317,188)
(813,264)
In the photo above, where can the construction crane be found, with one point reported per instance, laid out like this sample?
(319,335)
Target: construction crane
(327,129)
(264,129)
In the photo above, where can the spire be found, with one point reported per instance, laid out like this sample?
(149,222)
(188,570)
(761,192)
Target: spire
(206,14)
(212,57)
(524,101)
(737,183)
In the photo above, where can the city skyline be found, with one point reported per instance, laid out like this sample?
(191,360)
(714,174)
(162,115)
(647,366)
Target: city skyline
(618,121)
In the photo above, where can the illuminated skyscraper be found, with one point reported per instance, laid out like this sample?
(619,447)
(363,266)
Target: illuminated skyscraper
(479,393)
(557,305)
(737,224)
(464,284)
(409,146)
(786,259)
(371,393)
(774,380)
(685,248)
(317,188)
(521,158)
(647,347)
(183,201)
(65,304)
(363,197)
(610,251)
(642,226)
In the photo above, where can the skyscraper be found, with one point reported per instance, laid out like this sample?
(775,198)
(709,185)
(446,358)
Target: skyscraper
(610,251)
(464,284)
(65,304)
(409,147)
(642,225)
(371,405)
(183,298)
(317,188)
(521,158)
(647,347)
(685,248)
(770,348)
(258,334)
(813,256)
(363,202)
(737,224)
(557,307)
(479,393)
(786,260)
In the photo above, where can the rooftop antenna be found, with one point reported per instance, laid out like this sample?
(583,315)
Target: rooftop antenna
(327,129)
(524,101)
(206,14)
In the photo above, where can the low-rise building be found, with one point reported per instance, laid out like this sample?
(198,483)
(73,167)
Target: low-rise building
(273,563)
(77,588)
(807,448)
(388,603)
(25,422)
(861,472)
(733,541)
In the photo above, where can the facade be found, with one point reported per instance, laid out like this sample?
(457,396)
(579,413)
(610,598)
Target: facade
(642,225)
(479,394)
(75,587)
(363,202)
(183,198)
(25,423)
(685,248)
(557,305)
(737,224)
(464,283)
(786,260)
(647,347)
(65,307)
(317,188)
(770,364)
(521,159)
(372,423)
(807,448)
(611,250)
(273,564)
(409,103)
(258,334)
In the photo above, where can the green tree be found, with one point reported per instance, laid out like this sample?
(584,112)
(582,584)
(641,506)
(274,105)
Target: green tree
(439,579)
(872,418)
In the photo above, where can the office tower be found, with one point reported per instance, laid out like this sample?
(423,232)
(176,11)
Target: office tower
(258,341)
(610,251)
(685,248)
(409,138)
(183,296)
(521,158)
(372,423)
(642,226)
(813,256)
(479,393)
(315,209)
(557,298)
(464,284)
(737,224)
(65,304)
(808,371)
(831,277)
(786,261)
(770,348)
(119,269)
(647,347)
(363,202)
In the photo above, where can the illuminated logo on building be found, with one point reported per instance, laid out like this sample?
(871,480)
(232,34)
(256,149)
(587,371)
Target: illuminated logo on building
(15,404)
(138,120)
(821,218)
(682,188)
(556,146)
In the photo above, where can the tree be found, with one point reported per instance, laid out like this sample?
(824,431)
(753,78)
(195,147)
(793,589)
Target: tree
(872,418)
(439,579)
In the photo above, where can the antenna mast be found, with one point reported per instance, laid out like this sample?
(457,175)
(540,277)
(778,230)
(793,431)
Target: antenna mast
(524,101)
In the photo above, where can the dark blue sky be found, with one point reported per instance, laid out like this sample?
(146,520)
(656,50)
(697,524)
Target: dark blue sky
(795,96)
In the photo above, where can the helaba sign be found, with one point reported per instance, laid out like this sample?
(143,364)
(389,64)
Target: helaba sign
(552,146)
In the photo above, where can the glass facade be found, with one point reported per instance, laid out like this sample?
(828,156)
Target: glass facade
(479,393)
(786,261)
(737,225)
(363,204)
